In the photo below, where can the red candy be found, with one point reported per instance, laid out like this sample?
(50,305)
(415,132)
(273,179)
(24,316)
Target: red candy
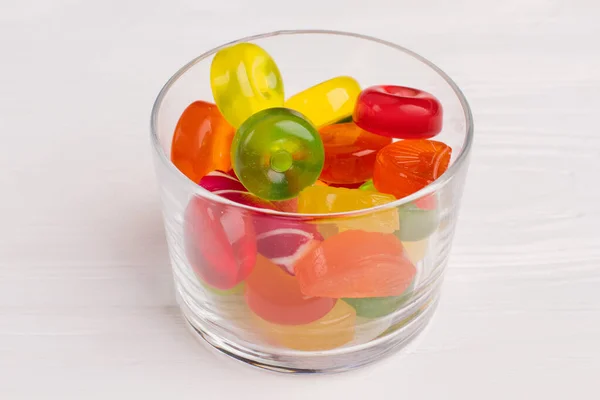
(219,242)
(398,112)
(407,166)
(202,141)
(349,153)
(275,296)
(284,240)
(229,187)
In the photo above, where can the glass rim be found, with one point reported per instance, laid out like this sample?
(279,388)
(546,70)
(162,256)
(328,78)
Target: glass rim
(199,190)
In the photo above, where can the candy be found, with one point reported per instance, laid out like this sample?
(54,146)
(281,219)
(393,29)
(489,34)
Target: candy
(405,167)
(284,240)
(219,242)
(229,187)
(368,185)
(244,80)
(275,296)
(415,251)
(375,307)
(349,153)
(368,329)
(325,200)
(399,112)
(276,153)
(356,264)
(333,330)
(327,102)
(415,223)
(202,141)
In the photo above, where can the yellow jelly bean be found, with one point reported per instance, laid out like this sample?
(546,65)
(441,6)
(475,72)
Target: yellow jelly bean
(244,80)
(327,102)
(333,330)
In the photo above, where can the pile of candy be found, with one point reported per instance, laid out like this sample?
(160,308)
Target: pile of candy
(308,284)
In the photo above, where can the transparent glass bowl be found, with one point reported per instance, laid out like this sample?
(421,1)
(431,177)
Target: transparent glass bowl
(354,332)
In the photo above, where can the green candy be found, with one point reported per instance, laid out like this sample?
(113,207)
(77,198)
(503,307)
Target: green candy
(415,223)
(375,307)
(276,153)
(368,185)
(344,120)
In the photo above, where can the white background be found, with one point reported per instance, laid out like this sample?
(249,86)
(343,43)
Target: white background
(87,308)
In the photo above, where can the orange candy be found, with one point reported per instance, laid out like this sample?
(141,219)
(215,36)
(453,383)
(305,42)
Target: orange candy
(405,167)
(275,296)
(202,141)
(356,264)
(349,153)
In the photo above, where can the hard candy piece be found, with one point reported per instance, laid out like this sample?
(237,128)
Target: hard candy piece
(405,167)
(327,102)
(219,242)
(368,329)
(276,153)
(229,187)
(244,80)
(368,185)
(284,240)
(349,153)
(275,296)
(375,307)
(202,141)
(333,330)
(291,205)
(398,111)
(416,224)
(416,250)
(356,264)
(325,200)
(234,291)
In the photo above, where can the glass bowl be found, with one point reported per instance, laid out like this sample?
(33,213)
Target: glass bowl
(267,320)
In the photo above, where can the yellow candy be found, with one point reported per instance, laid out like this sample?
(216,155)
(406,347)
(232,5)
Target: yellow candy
(327,102)
(415,250)
(325,200)
(333,330)
(244,80)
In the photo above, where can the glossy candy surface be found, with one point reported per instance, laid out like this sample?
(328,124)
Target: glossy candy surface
(350,153)
(219,242)
(356,264)
(407,166)
(202,141)
(415,223)
(276,153)
(327,102)
(229,187)
(275,296)
(334,329)
(244,80)
(284,240)
(325,200)
(398,111)
(375,307)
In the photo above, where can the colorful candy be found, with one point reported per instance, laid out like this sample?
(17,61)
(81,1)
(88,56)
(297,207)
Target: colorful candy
(405,167)
(415,223)
(325,200)
(202,141)
(244,80)
(333,330)
(375,307)
(275,296)
(399,112)
(356,264)
(219,242)
(327,102)
(276,153)
(284,240)
(349,153)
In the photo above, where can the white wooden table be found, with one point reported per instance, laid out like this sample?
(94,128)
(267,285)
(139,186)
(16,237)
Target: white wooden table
(87,308)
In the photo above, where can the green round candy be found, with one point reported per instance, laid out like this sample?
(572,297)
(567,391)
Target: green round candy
(375,307)
(416,223)
(368,185)
(276,153)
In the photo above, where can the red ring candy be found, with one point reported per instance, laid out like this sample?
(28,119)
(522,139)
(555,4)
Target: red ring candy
(399,112)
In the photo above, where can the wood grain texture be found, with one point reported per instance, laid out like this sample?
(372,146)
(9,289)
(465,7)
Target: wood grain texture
(86,301)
